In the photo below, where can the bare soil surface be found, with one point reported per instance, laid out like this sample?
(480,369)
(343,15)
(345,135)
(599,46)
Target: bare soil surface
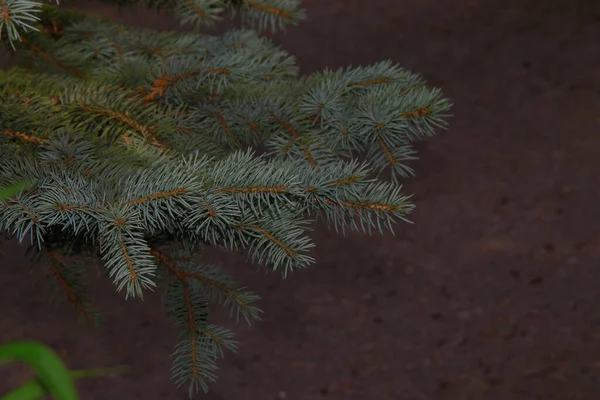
(492,294)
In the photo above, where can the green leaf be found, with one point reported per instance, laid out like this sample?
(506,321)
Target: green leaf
(12,190)
(34,390)
(51,371)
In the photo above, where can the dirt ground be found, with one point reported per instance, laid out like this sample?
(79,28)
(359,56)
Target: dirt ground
(492,294)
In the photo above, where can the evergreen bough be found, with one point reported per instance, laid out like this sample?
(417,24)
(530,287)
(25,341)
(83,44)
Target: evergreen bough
(136,146)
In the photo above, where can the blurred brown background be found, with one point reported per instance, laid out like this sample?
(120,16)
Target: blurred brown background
(493,293)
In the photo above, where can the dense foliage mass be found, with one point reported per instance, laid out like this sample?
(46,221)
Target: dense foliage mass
(137,150)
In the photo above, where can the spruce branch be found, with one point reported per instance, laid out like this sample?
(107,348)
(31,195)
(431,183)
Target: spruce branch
(68,281)
(193,362)
(133,140)
(273,14)
(18,16)
(217,285)
(200,12)
(259,14)
(124,251)
(191,289)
